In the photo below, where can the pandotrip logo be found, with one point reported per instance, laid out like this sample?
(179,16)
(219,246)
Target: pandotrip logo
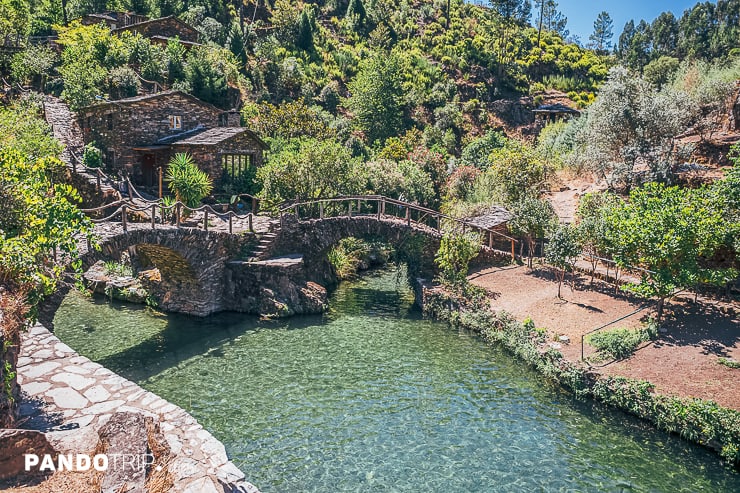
(84,462)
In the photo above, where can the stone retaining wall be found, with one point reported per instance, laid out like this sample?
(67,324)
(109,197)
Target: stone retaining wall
(70,398)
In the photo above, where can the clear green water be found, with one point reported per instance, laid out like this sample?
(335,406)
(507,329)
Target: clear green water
(371,397)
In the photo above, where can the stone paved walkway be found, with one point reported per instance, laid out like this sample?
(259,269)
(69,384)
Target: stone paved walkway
(67,394)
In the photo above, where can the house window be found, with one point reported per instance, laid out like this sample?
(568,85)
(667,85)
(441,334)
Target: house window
(236,166)
(175,122)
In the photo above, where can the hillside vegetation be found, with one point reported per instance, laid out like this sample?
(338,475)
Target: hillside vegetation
(409,99)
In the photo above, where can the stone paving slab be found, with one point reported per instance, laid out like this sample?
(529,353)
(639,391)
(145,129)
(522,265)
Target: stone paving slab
(65,393)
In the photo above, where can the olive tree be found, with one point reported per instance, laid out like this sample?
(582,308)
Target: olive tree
(563,250)
(631,125)
(533,219)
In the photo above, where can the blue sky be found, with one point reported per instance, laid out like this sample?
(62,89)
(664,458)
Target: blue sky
(582,14)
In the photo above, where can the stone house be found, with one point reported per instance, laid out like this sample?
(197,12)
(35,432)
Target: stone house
(159,30)
(162,30)
(139,135)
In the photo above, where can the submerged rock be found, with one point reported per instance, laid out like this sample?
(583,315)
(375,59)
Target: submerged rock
(124,288)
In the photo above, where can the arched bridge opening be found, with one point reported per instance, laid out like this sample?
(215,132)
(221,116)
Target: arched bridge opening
(182,269)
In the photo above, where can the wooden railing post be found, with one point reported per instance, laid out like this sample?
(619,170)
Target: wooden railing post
(513,253)
(249,218)
(154,215)
(100,186)
(408,216)
(205,219)
(439,224)
(359,206)
(349,210)
(379,209)
(160,182)
(295,211)
(123,218)
(382,207)
(231,223)
(129,188)
(490,239)
(321,210)
(254,205)
(177,213)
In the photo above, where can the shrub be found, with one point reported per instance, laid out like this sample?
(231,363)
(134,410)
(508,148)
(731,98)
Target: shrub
(92,157)
(124,83)
(455,253)
(189,184)
(621,343)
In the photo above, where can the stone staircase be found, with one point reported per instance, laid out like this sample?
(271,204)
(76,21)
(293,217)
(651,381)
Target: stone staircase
(66,130)
(264,249)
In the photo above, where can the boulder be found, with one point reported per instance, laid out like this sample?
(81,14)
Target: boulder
(16,443)
(124,440)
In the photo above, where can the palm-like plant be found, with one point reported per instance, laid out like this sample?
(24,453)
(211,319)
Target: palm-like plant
(189,184)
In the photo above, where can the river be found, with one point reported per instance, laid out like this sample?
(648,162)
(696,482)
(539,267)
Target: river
(371,397)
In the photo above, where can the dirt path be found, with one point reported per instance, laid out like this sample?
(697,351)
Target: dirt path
(683,361)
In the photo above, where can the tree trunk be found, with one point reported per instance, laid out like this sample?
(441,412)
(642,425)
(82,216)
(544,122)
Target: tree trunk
(64,12)
(560,282)
(539,31)
(659,314)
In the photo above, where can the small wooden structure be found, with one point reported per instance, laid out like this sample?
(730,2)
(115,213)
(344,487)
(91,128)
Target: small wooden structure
(551,113)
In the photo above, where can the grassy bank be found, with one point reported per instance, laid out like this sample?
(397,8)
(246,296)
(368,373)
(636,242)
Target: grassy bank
(700,421)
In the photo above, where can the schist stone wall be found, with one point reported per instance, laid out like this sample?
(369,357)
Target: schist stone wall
(165,27)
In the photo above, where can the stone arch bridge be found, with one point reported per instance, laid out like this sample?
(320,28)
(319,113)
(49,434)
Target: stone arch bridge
(282,272)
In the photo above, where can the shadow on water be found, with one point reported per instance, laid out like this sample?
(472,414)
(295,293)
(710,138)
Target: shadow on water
(179,337)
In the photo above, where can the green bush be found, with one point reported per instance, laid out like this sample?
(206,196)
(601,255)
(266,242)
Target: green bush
(92,157)
(621,343)
(729,363)
(189,184)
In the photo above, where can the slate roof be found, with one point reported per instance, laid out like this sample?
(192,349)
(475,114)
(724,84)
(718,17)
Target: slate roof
(214,136)
(147,97)
(211,136)
(495,216)
(556,108)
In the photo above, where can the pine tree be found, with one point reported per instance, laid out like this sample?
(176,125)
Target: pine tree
(602,35)
(305,33)
(356,13)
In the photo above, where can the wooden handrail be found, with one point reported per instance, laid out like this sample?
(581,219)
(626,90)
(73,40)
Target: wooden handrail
(400,203)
